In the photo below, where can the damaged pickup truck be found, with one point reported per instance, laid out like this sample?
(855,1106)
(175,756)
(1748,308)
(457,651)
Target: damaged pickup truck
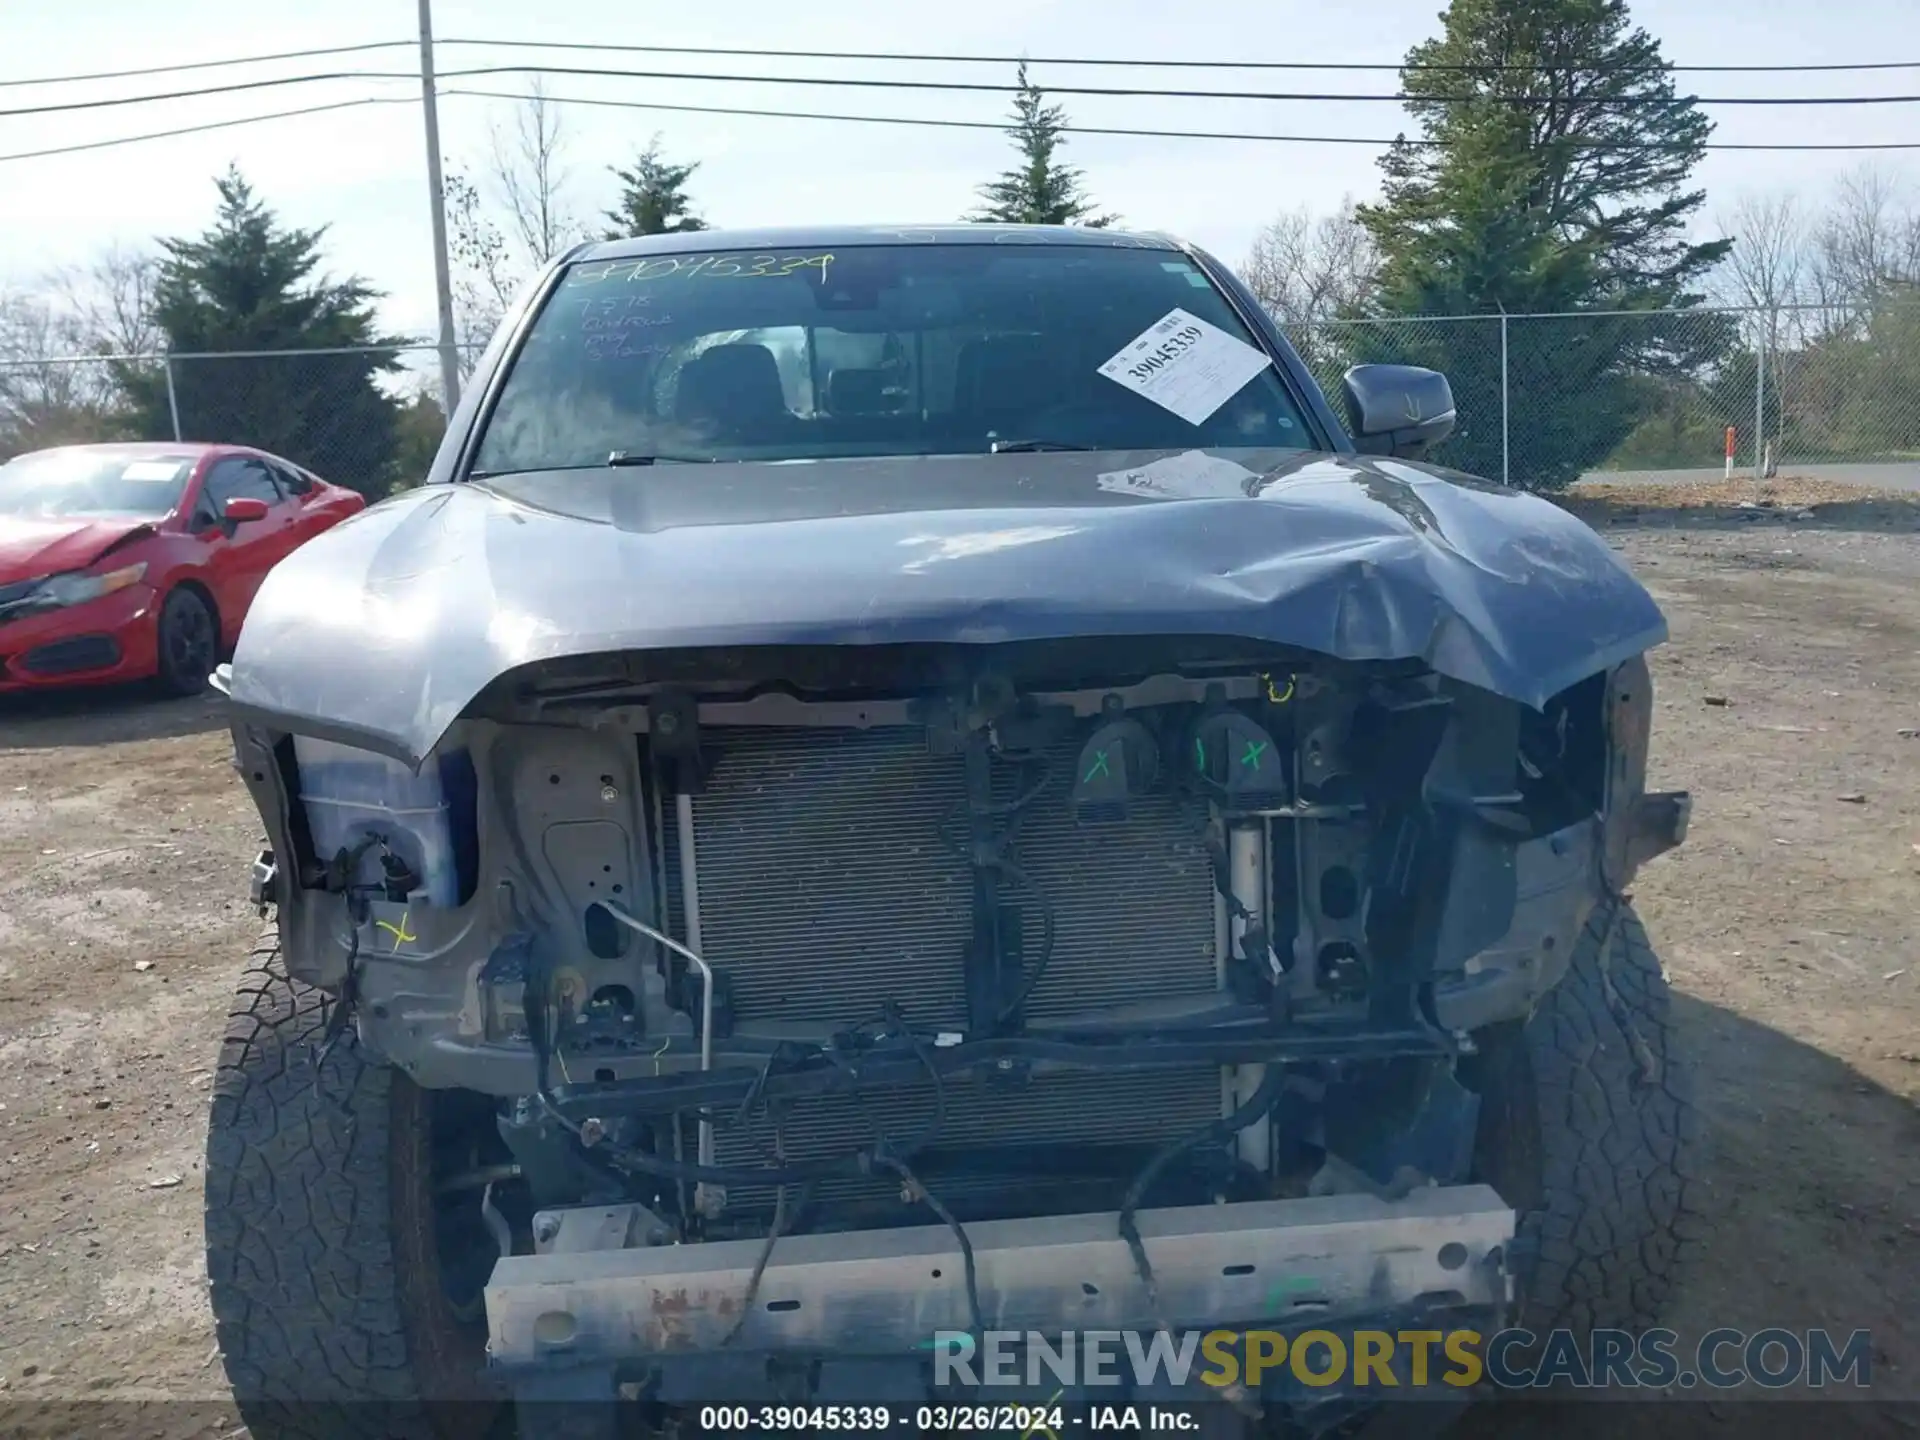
(910,783)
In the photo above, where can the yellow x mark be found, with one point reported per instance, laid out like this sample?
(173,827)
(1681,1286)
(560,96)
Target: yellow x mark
(401,935)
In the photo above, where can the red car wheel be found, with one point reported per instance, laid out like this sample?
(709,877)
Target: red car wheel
(189,642)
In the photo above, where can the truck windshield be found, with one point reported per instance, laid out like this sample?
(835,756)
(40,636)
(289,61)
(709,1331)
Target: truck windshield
(911,349)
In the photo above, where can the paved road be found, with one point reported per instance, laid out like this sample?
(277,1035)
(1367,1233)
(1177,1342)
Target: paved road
(1897,476)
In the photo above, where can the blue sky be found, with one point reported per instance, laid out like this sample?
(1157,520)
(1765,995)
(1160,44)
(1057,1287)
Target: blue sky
(362,172)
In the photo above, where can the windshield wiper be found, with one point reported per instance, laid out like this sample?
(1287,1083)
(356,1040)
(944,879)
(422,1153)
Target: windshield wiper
(1018,447)
(529,470)
(617,459)
(622,458)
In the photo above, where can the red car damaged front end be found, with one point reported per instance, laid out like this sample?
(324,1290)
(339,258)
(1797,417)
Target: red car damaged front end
(77,602)
(137,561)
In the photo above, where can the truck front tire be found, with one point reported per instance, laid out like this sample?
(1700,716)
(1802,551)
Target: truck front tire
(1587,1129)
(322,1246)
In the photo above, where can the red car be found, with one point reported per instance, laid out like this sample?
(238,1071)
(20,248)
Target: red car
(135,562)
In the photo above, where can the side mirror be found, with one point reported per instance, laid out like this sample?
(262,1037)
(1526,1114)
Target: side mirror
(241,509)
(1398,410)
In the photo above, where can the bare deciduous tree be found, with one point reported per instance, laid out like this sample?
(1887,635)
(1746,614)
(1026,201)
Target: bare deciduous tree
(47,398)
(485,274)
(110,300)
(1871,238)
(1770,265)
(1833,259)
(1867,244)
(1309,269)
(530,172)
(508,223)
(50,396)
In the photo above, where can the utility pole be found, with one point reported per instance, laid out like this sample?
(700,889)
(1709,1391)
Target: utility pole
(436,186)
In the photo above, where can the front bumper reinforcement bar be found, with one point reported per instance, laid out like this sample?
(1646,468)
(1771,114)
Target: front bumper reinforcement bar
(602,1292)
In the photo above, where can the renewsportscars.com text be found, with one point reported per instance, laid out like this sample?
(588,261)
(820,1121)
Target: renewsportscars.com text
(1509,1359)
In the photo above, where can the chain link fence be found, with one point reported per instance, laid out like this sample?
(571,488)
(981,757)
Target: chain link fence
(1543,400)
(362,417)
(68,399)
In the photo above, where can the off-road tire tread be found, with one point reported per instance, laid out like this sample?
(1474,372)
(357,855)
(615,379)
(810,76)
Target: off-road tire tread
(300,1254)
(1621,1212)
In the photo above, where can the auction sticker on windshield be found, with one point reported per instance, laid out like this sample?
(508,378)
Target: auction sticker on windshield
(1185,365)
(158,471)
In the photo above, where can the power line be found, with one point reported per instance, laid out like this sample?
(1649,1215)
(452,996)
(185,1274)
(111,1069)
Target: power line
(1155,134)
(1142,133)
(211,125)
(895,57)
(998,125)
(208,64)
(1130,92)
(1110,62)
(967,86)
(118,100)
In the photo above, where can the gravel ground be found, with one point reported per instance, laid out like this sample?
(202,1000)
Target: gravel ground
(1789,701)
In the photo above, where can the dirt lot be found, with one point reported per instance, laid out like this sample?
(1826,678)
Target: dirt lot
(1788,702)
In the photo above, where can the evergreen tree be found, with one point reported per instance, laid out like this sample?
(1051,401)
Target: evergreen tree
(1041,190)
(1553,177)
(653,197)
(419,429)
(248,284)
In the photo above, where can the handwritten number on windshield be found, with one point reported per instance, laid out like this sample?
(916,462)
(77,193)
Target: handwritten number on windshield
(688,267)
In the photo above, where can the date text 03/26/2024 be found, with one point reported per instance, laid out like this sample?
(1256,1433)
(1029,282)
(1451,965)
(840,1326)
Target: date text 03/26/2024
(1031,1422)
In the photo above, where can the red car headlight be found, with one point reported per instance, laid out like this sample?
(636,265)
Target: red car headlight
(78,587)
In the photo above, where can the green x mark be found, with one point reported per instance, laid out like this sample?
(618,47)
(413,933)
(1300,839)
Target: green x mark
(1099,767)
(1255,749)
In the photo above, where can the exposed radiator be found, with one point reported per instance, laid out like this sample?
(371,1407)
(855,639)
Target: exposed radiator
(824,888)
